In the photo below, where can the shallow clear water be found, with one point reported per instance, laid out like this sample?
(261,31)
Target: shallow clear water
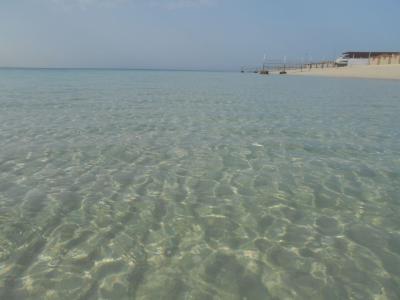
(184,185)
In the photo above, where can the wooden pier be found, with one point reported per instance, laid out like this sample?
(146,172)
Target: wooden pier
(282,66)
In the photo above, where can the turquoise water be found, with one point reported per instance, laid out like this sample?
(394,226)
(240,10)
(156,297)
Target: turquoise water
(195,185)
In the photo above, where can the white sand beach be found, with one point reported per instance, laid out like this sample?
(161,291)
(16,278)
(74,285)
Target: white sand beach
(371,71)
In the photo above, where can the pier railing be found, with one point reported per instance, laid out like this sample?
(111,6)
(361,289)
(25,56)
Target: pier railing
(280,66)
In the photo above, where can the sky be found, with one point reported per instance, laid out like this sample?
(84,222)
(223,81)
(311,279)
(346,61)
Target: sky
(190,34)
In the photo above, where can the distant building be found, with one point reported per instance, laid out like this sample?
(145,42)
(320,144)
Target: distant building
(386,59)
(368,58)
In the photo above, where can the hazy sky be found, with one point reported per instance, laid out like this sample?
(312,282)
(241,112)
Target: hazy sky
(206,34)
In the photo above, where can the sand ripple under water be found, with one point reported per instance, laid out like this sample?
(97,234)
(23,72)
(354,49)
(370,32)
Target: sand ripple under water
(180,185)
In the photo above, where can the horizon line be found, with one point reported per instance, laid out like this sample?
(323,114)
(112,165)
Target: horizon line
(120,69)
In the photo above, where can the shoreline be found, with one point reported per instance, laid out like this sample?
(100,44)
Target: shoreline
(391,72)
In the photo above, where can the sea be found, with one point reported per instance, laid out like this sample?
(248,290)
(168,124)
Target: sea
(133,184)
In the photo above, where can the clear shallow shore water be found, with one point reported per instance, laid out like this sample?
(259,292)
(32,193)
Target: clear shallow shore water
(184,185)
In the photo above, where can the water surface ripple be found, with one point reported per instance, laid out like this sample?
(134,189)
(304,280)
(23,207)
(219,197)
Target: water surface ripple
(184,185)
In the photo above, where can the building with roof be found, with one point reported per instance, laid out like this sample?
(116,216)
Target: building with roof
(368,58)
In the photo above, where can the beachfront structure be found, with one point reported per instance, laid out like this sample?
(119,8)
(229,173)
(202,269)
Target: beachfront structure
(386,59)
(368,58)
